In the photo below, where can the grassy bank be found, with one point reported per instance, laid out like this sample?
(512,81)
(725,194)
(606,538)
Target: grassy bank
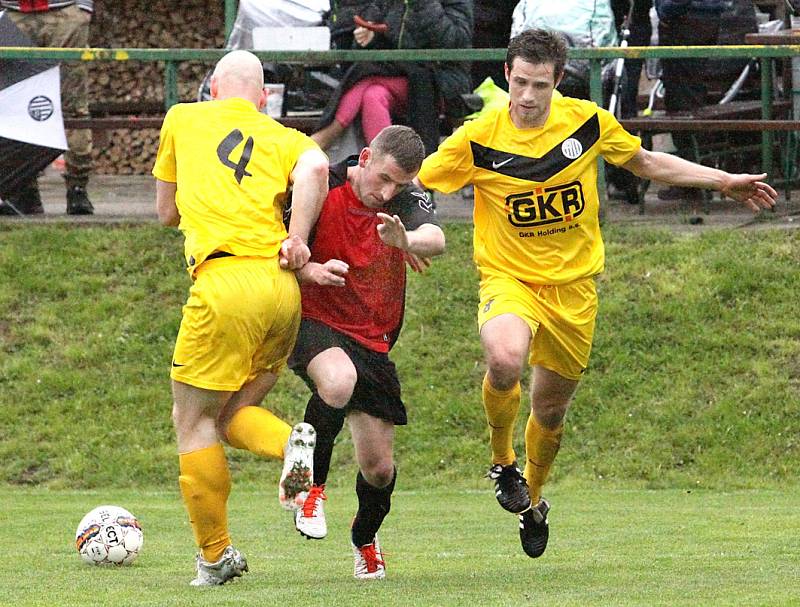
(694,378)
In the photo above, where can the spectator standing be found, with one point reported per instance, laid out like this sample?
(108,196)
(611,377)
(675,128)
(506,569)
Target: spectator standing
(377,91)
(61,24)
(686,23)
(640,31)
(635,15)
(492,30)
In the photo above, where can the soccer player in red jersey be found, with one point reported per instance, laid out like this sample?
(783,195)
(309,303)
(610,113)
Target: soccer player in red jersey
(353,298)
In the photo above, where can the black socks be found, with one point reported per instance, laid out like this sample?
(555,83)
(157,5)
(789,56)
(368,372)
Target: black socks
(328,422)
(373,505)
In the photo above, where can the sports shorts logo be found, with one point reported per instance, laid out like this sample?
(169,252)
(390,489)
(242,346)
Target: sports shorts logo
(497,165)
(571,148)
(40,108)
(544,206)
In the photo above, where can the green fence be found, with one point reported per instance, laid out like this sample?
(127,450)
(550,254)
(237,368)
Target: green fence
(767,55)
(171,57)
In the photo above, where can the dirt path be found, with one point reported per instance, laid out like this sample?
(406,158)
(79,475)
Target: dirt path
(131,199)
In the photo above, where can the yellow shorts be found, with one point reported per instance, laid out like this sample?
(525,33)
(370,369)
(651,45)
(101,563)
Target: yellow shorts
(561,318)
(240,320)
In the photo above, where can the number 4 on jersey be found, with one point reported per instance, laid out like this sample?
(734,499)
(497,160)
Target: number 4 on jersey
(226,147)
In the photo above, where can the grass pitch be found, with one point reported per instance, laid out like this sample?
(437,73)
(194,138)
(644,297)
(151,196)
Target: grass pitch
(692,391)
(608,547)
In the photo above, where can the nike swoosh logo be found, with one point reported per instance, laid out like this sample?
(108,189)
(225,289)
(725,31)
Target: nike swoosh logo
(497,165)
(174,364)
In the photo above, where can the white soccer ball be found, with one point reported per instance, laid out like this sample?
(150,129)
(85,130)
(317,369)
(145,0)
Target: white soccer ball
(109,535)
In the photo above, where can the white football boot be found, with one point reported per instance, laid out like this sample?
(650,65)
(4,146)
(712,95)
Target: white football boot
(309,520)
(298,466)
(230,565)
(369,563)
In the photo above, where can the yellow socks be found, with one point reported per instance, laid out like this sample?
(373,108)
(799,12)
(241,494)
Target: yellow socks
(258,431)
(542,446)
(205,483)
(501,413)
(205,480)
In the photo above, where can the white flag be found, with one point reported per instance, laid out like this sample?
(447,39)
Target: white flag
(30,111)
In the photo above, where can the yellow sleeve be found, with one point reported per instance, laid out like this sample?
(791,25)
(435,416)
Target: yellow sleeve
(451,167)
(165,168)
(617,145)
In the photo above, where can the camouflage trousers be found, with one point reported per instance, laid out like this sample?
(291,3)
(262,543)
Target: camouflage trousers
(66,28)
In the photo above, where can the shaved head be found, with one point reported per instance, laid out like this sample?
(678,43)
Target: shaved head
(238,74)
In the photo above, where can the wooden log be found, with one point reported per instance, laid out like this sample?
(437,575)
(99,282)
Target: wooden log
(135,87)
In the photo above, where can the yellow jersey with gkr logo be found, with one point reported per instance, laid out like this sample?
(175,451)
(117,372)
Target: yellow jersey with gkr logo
(232,165)
(536,204)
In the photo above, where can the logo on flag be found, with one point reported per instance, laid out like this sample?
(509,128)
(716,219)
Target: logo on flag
(40,108)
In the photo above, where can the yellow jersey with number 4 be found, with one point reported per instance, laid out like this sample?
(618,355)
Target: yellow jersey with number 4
(536,204)
(232,166)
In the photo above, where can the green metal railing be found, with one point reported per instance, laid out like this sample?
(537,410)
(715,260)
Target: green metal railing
(767,54)
(596,56)
(230,16)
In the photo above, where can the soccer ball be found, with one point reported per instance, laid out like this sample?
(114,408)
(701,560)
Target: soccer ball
(109,535)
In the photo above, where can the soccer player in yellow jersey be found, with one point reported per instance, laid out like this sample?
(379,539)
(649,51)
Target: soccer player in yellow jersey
(537,246)
(223,170)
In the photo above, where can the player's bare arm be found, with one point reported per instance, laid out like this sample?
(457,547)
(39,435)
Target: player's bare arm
(750,190)
(425,241)
(166,208)
(329,274)
(310,179)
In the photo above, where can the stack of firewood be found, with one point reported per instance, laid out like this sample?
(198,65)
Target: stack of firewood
(137,87)
(125,151)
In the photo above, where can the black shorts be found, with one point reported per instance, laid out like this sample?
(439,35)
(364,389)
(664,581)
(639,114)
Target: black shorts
(377,389)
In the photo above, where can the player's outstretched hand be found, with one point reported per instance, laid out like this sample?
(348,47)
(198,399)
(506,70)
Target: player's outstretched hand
(751,190)
(392,231)
(328,274)
(294,253)
(416,263)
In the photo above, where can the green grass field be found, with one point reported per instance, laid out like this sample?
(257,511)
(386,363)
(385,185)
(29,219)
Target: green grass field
(445,547)
(676,483)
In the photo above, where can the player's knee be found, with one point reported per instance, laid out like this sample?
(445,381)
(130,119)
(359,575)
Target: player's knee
(335,384)
(193,430)
(504,364)
(505,370)
(378,472)
(337,393)
(550,412)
